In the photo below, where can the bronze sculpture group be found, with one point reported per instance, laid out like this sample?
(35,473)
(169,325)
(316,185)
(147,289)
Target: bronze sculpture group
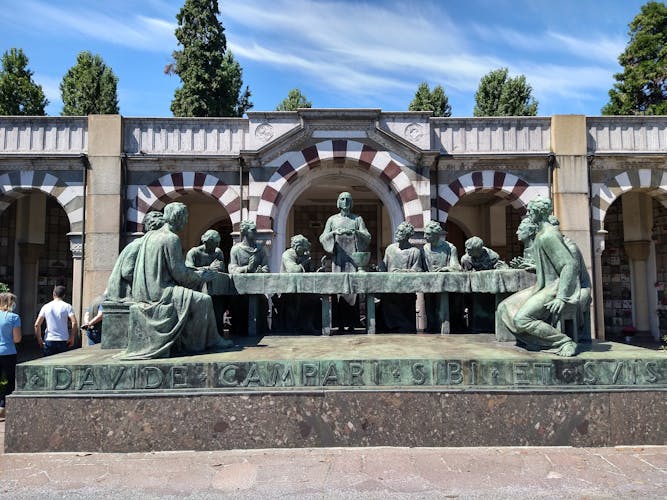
(177,303)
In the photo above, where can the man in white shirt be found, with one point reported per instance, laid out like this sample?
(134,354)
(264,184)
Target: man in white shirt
(58,337)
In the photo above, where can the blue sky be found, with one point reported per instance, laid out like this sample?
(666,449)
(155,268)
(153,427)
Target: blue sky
(340,53)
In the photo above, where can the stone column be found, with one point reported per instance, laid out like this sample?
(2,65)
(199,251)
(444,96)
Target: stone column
(570,185)
(498,229)
(598,298)
(29,238)
(103,203)
(638,252)
(29,275)
(637,232)
(76,247)
(420,306)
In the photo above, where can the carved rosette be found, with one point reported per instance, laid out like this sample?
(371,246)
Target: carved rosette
(414,132)
(264,132)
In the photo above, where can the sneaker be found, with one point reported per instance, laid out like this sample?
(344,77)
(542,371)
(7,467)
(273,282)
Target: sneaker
(2,412)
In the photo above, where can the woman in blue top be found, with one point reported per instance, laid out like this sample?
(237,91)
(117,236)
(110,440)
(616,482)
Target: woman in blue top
(10,334)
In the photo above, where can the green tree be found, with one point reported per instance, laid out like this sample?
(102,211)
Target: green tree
(19,95)
(89,87)
(427,100)
(294,100)
(641,87)
(212,79)
(499,94)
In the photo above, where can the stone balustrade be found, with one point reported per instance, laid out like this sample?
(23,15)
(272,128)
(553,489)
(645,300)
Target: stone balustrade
(184,136)
(491,135)
(229,136)
(43,135)
(626,134)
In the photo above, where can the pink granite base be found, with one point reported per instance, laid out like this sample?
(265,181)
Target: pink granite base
(334,418)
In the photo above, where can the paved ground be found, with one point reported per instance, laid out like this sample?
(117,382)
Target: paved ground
(631,472)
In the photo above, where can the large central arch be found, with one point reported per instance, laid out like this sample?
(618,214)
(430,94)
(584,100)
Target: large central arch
(384,166)
(301,184)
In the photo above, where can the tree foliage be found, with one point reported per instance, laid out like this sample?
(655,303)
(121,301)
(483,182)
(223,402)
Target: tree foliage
(19,94)
(211,77)
(427,100)
(641,88)
(294,100)
(89,87)
(499,94)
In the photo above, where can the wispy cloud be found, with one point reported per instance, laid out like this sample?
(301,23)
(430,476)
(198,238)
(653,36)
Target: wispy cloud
(382,47)
(393,46)
(339,76)
(357,52)
(134,31)
(601,49)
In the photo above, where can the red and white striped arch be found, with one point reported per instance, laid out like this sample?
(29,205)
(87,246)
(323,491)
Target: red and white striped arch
(14,185)
(502,184)
(170,187)
(387,166)
(652,181)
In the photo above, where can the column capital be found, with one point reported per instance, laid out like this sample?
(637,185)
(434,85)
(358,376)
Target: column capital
(637,250)
(30,251)
(76,245)
(599,241)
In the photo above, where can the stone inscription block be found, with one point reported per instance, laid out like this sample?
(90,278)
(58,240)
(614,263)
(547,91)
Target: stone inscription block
(323,374)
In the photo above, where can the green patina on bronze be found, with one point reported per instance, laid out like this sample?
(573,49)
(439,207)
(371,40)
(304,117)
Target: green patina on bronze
(157,308)
(168,314)
(562,283)
(466,362)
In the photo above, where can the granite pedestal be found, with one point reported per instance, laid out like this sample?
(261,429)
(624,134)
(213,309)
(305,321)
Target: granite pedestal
(348,390)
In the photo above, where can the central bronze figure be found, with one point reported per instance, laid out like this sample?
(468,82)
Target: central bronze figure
(346,238)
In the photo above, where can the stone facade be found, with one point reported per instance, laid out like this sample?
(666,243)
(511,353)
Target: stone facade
(478,174)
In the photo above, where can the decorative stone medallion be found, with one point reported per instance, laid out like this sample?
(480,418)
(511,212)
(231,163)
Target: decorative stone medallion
(414,132)
(264,132)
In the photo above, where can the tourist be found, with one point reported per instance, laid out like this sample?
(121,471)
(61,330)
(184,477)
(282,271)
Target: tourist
(92,320)
(10,335)
(59,337)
